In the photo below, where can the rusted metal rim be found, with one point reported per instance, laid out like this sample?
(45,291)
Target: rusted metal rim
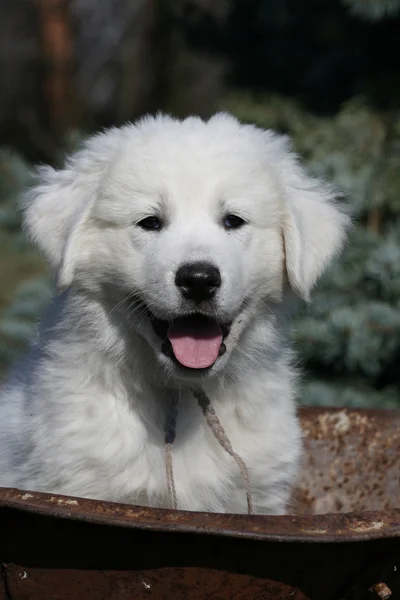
(308,528)
(352,457)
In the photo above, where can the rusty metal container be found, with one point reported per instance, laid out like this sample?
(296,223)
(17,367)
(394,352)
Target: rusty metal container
(342,541)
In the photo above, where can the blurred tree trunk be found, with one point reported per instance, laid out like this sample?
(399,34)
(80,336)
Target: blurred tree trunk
(162,66)
(77,65)
(57,48)
(136,68)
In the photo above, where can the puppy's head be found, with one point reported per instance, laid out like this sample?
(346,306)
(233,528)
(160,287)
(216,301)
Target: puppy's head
(193,226)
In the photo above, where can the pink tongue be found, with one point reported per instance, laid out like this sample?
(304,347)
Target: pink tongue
(196,347)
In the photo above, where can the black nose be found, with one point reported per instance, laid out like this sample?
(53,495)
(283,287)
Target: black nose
(198,281)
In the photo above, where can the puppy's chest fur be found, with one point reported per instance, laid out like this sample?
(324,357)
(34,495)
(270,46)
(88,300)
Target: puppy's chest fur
(112,449)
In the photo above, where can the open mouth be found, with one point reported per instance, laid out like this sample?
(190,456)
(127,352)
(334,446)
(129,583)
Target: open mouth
(193,341)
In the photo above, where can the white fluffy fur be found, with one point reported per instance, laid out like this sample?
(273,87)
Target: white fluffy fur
(84,413)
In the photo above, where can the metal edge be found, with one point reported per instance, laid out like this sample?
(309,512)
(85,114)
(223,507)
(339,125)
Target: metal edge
(333,527)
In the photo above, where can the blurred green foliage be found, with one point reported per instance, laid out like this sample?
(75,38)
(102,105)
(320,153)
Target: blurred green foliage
(25,287)
(349,336)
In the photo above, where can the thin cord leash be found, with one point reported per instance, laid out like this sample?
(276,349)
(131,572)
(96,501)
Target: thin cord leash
(219,433)
(170,433)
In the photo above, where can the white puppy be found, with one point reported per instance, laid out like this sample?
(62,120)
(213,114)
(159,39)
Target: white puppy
(179,247)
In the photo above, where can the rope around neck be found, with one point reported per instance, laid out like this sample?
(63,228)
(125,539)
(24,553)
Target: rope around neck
(170,433)
(220,435)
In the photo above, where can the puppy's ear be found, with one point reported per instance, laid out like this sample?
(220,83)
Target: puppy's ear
(314,227)
(57,208)
(54,213)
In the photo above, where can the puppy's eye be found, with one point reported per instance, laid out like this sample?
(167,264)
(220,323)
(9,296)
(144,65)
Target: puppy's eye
(233,222)
(150,223)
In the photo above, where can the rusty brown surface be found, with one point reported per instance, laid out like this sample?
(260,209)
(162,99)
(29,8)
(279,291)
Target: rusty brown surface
(64,548)
(193,583)
(382,591)
(59,559)
(351,470)
(352,463)
(330,527)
